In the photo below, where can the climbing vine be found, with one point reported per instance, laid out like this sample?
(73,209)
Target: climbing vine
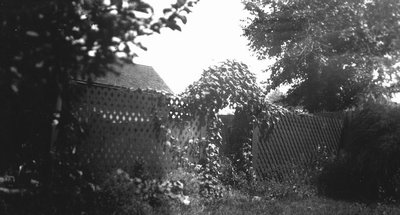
(232,85)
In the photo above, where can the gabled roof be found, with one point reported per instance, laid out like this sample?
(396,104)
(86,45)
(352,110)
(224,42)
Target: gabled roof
(134,76)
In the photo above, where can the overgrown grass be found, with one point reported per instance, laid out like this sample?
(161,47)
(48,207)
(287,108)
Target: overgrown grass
(120,195)
(298,194)
(268,197)
(239,203)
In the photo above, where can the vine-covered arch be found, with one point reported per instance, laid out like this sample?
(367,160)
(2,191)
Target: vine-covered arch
(230,84)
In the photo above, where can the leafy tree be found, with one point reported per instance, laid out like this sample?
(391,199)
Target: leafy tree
(332,53)
(44,45)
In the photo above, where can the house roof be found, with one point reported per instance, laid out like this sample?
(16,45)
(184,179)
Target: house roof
(134,76)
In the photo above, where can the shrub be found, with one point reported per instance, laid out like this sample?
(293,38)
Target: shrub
(118,196)
(368,167)
(123,194)
(68,192)
(191,181)
(300,185)
(231,177)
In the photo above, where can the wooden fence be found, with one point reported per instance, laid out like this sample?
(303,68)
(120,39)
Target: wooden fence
(123,127)
(295,141)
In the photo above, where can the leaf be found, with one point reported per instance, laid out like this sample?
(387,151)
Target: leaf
(156,27)
(141,46)
(14,88)
(39,64)
(144,7)
(32,34)
(187,10)
(174,26)
(180,3)
(183,18)
(167,10)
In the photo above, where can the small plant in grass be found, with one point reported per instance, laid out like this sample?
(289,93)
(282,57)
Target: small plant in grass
(124,194)
(191,181)
(231,177)
(301,183)
(204,162)
(118,195)
(297,186)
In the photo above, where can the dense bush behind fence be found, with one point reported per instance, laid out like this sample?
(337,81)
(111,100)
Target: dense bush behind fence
(368,165)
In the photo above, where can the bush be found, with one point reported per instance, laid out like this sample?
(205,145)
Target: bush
(118,196)
(68,192)
(231,176)
(299,185)
(123,194)
(368,166)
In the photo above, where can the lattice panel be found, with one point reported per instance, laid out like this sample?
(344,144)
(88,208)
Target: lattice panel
(191,130)
(122,128)
(294,141)
(184,130)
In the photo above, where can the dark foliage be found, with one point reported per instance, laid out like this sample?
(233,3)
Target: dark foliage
(239,139)
(44,45)
(47,43)
(368,166)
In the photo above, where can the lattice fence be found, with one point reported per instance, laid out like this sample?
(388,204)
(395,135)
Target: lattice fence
(294,141)
(123,127)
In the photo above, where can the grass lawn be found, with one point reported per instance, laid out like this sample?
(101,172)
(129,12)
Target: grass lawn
(313,205)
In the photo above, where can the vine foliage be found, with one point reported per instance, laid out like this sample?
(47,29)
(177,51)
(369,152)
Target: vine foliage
(231,85)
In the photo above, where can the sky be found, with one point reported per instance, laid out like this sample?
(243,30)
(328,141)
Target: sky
(211,35)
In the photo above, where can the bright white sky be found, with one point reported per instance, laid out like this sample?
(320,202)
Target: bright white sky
(211,35)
